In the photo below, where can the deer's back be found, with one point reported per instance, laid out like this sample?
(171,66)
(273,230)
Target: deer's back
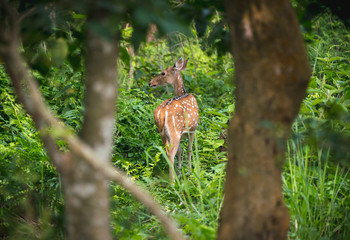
(178,114)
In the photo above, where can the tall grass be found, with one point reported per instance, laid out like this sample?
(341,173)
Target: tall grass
(317,193)
(194,199)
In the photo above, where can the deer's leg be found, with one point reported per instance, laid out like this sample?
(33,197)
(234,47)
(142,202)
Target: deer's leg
(174,146)
(164,140)
(168,148)
(189,149)
(179,156)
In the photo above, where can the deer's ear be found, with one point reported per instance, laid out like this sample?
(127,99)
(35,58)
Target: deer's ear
(180,64)
(184,65)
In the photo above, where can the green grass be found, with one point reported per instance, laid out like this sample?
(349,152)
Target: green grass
(316,179)
(317,194)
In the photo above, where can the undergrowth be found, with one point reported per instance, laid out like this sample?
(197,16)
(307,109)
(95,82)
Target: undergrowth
(316,179)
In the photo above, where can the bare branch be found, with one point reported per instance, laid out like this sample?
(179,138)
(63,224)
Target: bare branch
(83,150)
(25,14)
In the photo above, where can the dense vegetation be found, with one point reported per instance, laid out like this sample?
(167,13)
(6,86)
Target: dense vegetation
(316,174)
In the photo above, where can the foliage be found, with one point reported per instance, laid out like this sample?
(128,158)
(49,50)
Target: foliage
(308,10)
(317,193)
(195,200)
(325,114)
(315,179)
(29,186)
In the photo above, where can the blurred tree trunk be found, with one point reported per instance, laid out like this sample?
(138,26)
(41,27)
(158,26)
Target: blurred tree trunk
(85,168)
(272,73)
(86,191)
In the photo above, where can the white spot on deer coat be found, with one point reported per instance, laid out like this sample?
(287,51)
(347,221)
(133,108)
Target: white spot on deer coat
(166,128)
(173,121)
(158,115)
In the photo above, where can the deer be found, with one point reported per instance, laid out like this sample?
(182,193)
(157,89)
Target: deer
(176,117)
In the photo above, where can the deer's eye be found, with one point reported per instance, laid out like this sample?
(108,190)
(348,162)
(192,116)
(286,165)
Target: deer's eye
(163,73)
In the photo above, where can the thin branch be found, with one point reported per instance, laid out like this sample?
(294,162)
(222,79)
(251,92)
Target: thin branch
(25,14)
(126,182)
(113,173)
(194,62)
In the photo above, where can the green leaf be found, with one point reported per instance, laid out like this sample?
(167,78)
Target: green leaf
(124,56)
(329,86)
(316,101)
(218,143)
(346,93)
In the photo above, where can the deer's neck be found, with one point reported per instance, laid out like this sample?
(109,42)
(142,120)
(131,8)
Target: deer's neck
(179,85)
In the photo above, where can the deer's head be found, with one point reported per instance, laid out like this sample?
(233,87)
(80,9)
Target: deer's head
(170,75)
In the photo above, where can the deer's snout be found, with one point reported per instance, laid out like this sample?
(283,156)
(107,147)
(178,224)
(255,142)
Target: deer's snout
(153,82)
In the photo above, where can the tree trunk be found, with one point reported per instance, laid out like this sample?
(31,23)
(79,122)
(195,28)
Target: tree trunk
(272,73)
(86,191)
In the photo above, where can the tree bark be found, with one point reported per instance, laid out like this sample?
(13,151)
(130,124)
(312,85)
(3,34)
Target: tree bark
(272,73)
(86,191)
(88,158)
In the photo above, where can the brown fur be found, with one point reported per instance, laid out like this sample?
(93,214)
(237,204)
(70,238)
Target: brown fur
(176,116)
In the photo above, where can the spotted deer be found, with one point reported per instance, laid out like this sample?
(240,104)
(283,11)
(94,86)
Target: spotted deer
(177,116)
